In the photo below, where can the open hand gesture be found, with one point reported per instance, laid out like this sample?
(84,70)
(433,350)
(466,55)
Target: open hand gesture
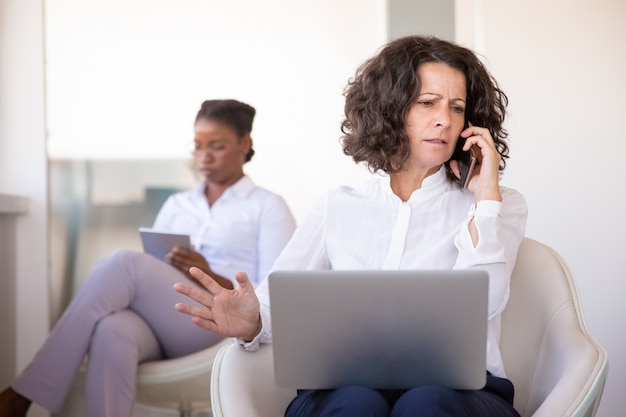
(229,313)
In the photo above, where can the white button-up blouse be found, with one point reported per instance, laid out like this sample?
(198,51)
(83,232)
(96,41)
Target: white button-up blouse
(371,228)
(244,230)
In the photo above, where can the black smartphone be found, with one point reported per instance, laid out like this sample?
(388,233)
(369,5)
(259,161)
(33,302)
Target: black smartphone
(467,160)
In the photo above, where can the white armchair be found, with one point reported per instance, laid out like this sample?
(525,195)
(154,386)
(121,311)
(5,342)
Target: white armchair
(163,386)
(558,370)
(556,367)
(180,384)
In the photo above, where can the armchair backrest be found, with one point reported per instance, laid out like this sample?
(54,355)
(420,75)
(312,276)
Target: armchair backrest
(556,367)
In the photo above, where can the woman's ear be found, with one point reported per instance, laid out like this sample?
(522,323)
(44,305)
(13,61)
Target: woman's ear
(246,143)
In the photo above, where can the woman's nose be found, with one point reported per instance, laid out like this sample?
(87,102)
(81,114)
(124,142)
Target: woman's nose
(208,156)
(443,119)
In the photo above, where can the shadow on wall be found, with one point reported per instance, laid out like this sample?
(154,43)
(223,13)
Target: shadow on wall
(93,213)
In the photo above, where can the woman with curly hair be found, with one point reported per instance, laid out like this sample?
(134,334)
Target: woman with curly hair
(406,109)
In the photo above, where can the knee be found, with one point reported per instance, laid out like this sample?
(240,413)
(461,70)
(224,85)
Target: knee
(118,330)
(355,401)
(124,256)
(431,400)
(120,263)
(118,260)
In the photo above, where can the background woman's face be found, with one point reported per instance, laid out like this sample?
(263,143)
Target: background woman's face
(219,152)
(436,119)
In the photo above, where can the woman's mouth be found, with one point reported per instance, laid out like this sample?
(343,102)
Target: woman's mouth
(437,141)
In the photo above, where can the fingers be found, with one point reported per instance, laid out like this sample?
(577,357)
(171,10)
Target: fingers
(196,311)
(208,286)
(484,184)
(202,317)
(200,296)
(205,279)
(177,261)
(178,254)
(184,258)
(477,136)
(481,140)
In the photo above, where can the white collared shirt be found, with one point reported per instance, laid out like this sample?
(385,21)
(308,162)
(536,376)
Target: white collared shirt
(244,230)
(371,228)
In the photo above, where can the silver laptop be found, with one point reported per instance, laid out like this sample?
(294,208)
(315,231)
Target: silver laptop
(382,329)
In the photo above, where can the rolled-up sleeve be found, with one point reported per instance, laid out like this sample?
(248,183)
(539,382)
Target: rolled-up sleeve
(501,228)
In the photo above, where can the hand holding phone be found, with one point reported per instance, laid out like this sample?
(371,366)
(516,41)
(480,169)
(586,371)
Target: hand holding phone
(467,161)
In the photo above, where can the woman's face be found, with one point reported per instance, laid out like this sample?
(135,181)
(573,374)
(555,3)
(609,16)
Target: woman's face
(436,119)
(219,152)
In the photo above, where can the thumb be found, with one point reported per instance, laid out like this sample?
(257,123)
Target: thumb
(243,280)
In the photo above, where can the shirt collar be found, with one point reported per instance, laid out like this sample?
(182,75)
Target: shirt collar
(242,188)
(432,186)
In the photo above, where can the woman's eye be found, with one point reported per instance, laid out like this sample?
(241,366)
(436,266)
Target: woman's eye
(425,103)
(458,109)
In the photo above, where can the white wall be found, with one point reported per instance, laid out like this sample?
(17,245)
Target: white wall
(23,163)
(23,158)
(126,78)
(563,65)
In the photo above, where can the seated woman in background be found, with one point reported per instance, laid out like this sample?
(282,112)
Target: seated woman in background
(122,315)
(405,111)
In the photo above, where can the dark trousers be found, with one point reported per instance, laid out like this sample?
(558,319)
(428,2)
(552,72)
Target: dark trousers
(494,400)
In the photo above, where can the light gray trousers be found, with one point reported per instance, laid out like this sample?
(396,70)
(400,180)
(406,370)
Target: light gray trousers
(122,315)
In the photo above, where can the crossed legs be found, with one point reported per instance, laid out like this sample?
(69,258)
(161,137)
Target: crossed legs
(123,314)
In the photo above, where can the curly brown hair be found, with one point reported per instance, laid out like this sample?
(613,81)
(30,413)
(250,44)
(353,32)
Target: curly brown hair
(385,87)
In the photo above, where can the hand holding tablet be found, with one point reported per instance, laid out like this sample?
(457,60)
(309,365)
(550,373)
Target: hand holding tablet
(159,243)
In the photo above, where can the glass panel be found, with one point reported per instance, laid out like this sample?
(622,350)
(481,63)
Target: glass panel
(96,207)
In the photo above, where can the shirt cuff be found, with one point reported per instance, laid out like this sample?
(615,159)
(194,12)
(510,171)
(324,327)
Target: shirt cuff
(487,208)
(250,346)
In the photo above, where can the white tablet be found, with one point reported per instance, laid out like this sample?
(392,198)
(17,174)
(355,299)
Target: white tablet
(159,243)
